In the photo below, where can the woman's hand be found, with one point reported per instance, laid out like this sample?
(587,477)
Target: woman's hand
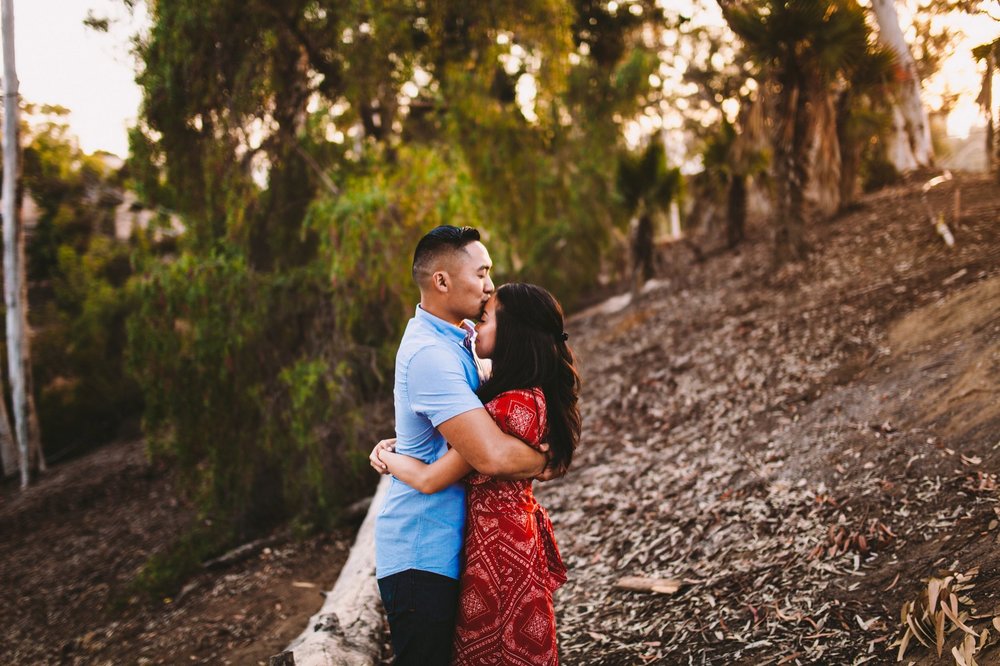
(550,471)
(375,460)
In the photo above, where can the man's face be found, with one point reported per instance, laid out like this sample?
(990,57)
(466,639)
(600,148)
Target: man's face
(471,285)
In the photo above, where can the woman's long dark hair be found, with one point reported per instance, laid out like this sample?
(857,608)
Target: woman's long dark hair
(530,350)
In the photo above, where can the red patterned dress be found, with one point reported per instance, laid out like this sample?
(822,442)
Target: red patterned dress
(512,564)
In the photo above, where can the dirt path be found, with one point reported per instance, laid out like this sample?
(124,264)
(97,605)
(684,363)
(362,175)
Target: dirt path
(72,543)
(800,449)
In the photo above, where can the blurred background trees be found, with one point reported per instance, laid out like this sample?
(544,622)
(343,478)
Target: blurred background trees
(241,282)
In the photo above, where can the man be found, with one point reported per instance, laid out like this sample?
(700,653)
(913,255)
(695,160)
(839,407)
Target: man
(418,538)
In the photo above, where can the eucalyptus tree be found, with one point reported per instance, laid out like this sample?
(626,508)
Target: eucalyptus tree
(15,291)
(911,142)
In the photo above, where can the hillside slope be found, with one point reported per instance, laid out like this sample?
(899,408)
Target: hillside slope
(801,449)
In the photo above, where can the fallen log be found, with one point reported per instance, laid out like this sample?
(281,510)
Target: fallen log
(642,584)
(346,630)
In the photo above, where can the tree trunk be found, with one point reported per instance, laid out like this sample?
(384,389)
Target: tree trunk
(642,252)
(35,454)
(986,102)
(736,217)
(823,185)
(851,148)
(11,255)
(346,630)
(911,145)
(791,167)
(8,449)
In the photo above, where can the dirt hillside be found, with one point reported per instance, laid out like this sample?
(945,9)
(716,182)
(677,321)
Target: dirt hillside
(799,450)
(72,545)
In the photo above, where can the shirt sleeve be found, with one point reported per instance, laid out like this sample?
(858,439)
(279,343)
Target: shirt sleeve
(438,386)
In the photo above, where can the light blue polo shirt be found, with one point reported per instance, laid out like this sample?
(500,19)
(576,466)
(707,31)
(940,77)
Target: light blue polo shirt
(436,379)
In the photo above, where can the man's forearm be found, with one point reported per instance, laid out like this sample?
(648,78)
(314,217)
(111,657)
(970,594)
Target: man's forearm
(516,461)
(488,449)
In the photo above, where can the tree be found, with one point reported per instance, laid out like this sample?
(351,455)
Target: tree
(733,156)
(990,53)
(8,447)
(15,293)
(804,48)
(910,146)
(863,118)
(646,186)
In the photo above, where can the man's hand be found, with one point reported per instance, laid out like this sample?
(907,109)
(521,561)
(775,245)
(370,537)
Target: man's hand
(376,462)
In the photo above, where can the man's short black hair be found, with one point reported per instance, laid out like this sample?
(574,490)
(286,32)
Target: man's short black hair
(436,242)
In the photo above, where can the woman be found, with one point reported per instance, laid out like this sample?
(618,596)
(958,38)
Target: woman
(512,564)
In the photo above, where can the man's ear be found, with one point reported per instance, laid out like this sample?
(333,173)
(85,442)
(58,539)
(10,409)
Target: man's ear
(441,281)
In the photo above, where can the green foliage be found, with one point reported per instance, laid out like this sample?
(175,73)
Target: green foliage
(78,307)
(307,146)
(162,574)
(369,234)
(804,38)
(250,385)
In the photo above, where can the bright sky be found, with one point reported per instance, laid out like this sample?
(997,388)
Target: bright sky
(960,73)
(61,61)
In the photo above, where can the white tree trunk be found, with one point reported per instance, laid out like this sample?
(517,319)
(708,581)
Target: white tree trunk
(346,630)
(910,146)
(11,255)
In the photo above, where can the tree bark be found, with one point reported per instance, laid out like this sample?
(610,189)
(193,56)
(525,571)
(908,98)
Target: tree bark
(911,144)
(35,455)
(13,291)
(986,102)
(346,630)
(823,185)
(736,210)
(851,148)
(791,167)
(8,449)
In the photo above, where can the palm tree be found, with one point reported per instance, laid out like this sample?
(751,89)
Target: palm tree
(912,137)
(733,156)
(646,186)
(803,48)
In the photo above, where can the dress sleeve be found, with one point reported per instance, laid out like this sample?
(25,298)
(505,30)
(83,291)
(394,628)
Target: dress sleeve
(520,414)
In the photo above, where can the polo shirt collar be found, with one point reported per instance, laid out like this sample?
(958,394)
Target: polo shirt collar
(439,325)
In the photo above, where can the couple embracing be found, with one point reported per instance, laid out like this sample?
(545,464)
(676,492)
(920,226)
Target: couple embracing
(466,560)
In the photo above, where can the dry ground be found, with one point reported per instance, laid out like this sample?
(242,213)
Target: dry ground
(800,449)
(72,543)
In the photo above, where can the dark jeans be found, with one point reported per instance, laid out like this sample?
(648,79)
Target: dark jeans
(421,607)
